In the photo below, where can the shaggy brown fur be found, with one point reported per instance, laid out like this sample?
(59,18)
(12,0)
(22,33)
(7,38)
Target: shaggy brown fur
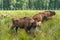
(43,16)
(26,23)
(39,17)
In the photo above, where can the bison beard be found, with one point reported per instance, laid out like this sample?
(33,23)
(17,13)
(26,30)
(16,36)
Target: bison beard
(25,23)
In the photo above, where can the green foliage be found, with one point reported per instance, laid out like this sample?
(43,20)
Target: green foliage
(0,3)
(29,4)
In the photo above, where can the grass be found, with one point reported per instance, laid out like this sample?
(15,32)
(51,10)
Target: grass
(50,30)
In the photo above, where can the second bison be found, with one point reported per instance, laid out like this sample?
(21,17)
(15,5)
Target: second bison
(41,16)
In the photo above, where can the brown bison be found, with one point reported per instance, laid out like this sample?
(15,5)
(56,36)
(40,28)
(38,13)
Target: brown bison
(26,23)
(43,16)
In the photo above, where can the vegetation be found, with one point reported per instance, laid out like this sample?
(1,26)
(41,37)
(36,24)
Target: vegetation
(50,30)
(29,4)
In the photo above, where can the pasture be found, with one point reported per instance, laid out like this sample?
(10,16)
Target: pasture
(50,30)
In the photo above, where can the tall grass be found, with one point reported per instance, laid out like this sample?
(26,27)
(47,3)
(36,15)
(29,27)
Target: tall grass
(50,30)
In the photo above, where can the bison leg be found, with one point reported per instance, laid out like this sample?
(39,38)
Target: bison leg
(16,29)
(26,30)
(12,27)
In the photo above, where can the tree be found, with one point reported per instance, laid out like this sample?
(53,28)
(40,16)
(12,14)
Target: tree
(0,4)
(6,4)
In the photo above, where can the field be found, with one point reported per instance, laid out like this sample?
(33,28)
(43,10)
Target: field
(50,30)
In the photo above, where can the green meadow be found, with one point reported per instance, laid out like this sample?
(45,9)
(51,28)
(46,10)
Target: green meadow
(49,30)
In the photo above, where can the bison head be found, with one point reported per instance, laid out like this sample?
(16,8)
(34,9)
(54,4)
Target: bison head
(49,14)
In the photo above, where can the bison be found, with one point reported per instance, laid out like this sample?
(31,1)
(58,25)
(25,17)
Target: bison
(41,16)
(26,23)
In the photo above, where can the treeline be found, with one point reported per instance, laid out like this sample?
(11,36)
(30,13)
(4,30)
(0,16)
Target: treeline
(29,4)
